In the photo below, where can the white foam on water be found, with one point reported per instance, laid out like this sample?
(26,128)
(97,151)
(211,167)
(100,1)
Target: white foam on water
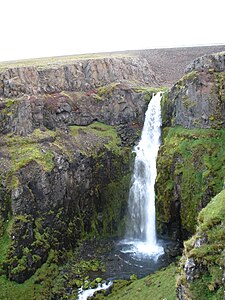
(84,294)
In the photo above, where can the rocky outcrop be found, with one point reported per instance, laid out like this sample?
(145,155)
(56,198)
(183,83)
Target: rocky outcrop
(78,75)
(190,158)
(114,104)
(190,172)
(154,67)
(198,99)
(202,265)
(65,169)
(191,176)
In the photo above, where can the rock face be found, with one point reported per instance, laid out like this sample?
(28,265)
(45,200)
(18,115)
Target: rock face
(65,169)
(115,104)
(202,264)
(155,67)
(190,161)
(81,75)
(66,134)
(198,99)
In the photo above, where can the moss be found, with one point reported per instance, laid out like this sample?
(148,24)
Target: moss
(116,195)
(101,133)
(42,285)
(5,242)
(214,213)
(218,94)
(209,254)
(166,109)
(23,150)
(106,90)
(149,91)
(186,78)
(8,107)
(22,156)
(189,160)
(188,103)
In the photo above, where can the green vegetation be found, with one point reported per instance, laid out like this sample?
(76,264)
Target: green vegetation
(113,214)
(193,160)
(8,107)
(105,91)
(157,286)
(166,109)
(102,145)
(98,132)
(149,91)
(209,254)
(5,242)
(39,286)
(219,79)
(53,279)
(23,150)
(187,77)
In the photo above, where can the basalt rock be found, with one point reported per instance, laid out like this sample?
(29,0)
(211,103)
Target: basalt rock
(190,160)
(65,169)
(197,100)
(116,104)
(78,75)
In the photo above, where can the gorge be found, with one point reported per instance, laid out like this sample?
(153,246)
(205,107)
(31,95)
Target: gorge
(67,131)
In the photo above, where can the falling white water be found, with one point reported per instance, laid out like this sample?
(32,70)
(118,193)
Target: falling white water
(141,203)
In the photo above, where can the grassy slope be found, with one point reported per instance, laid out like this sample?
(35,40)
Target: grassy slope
(38,287)
(157,286)
(211,254)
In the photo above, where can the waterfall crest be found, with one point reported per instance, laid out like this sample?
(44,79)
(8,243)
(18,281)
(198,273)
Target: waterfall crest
(141,204)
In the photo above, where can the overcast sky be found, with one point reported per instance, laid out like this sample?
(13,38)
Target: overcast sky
(40,28)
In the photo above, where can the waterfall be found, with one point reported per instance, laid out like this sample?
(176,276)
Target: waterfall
(141,204)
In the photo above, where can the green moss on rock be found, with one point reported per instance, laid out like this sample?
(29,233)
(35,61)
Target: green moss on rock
(206,250)
(190,171)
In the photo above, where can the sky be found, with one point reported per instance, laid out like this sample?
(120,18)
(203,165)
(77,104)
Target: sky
(43,28)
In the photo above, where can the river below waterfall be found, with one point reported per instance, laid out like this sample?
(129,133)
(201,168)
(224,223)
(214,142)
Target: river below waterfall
(141,253)
(120,262)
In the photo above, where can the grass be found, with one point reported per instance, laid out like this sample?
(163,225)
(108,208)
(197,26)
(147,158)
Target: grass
(58,60)
(38,287)
(5,241)
(209,255)
(213,213)
(157,286)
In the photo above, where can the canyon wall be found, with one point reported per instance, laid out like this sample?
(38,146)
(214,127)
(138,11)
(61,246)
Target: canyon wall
(67,132)
(191,176)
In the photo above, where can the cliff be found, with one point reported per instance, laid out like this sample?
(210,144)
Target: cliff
(155,67)
(191,176)
(67,129)
(65,169)
(191,157)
